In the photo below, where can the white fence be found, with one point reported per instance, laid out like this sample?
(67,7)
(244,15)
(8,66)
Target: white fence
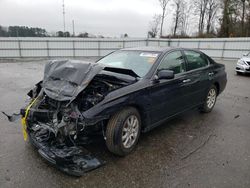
(224,48)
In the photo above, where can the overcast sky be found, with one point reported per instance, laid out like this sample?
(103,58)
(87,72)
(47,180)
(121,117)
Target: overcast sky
(100,17)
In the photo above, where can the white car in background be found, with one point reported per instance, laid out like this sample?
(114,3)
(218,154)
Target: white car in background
(243,64)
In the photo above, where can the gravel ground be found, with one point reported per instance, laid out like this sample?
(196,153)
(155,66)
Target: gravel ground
(193,150)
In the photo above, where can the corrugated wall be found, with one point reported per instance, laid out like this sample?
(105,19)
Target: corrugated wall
(226,48)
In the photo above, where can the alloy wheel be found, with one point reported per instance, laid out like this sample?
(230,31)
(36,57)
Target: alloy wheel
(130,131)
(211,98)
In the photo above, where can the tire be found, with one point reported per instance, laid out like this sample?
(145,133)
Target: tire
(123,127)
(210,100)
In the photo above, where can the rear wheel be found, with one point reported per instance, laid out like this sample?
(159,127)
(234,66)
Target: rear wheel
(123,131)
(210,100)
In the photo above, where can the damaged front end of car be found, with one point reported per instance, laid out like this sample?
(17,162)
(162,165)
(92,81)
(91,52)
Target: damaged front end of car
(54,128)
(54,119)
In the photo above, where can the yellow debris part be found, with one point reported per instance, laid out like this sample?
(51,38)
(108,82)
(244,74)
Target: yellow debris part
(23,120)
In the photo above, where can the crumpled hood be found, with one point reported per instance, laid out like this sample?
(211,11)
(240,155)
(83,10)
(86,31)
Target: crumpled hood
(65,79)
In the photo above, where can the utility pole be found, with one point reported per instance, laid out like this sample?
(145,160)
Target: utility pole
(63,6)
(73,25)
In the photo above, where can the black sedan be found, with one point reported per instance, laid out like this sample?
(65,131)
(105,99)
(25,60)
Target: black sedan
(123,94)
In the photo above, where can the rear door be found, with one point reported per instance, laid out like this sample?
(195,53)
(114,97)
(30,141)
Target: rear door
(199,76)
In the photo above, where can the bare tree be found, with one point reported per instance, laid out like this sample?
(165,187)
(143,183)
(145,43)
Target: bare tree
(186,13)
(154,25)
(225,24)
(245,17)
(243,2)
(178,4)
(163,4)
(230,23)
(248,19)
(201,7)
(212,9)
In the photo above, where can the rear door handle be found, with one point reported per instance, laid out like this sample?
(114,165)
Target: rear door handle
(210,74)
(187,80)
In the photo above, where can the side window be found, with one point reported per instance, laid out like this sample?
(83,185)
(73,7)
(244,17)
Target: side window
(173,61)
(195,60)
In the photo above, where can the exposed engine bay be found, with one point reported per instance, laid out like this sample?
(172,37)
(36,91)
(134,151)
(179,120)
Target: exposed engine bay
(64,120)
(98,88)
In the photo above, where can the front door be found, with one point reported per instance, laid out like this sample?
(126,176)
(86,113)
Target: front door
(167,96)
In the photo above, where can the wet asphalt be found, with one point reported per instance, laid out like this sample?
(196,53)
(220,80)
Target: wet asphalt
(193,150)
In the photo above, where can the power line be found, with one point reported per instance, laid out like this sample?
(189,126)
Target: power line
(73,25)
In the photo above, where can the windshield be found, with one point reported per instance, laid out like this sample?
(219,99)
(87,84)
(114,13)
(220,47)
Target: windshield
(138,61)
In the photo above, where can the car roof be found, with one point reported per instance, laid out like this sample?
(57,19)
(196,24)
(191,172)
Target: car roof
(150,48)
(159,49)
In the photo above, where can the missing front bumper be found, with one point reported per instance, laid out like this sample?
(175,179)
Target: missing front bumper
(73,160)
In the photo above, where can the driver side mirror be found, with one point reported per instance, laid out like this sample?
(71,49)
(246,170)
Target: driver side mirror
(165,74)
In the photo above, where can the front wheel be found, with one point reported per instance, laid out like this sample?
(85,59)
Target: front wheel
(210,100)
(123,131)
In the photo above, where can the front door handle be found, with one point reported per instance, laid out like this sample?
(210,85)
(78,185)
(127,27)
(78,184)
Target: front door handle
(187,80)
